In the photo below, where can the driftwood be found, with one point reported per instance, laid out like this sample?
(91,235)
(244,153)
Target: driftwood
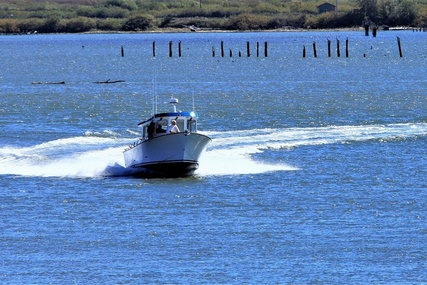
(109,81)
(36,82)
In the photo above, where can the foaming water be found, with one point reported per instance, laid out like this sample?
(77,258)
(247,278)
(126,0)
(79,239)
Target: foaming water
(230,153)
(75,160)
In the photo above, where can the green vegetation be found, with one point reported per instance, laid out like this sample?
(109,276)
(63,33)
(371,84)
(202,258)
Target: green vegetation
(76,16)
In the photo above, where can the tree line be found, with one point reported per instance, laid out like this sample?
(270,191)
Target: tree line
(78,16)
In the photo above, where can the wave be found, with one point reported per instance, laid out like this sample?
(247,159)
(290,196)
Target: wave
(230,153)
(260,139)
(82,156)
(103,134)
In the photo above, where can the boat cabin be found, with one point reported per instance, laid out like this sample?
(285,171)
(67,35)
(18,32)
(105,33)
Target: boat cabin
(158,124)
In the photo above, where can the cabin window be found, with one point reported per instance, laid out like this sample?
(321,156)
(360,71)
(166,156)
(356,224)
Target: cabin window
(180,125)
(161,127)
(192,127)
(144,132)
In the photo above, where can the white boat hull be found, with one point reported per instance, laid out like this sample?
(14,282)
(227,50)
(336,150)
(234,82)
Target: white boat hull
(168,155)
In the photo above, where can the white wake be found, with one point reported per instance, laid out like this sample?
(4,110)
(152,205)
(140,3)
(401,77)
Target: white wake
(230,153)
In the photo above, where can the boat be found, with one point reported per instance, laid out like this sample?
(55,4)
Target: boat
(170,145)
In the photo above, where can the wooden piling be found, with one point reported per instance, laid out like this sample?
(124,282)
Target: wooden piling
(303,52)
(265,49)
(257,49)
(213,51)
(170,48)
(179,49)
(329,48)
(154,49)
(231,53)
(338,48)
(222,49)
(123,51)
(374,31)
(314,49)
(400,47)
(248,49)
(346,47)
(366,25)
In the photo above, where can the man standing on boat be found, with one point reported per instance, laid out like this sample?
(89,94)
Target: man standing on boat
(151,129)
(172,128)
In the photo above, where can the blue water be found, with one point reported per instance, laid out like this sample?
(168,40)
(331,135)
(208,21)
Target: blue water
(316,172)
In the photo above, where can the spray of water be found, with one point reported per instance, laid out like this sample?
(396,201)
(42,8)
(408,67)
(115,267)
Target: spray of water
(230,153)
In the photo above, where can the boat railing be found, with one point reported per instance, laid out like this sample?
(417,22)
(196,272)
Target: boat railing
(135,143)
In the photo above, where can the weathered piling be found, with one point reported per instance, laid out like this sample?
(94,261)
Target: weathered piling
(265,49)
(346,47)
(366,25)
(374,31)
(257,49)
(123,51)
(248,49)
(213,51)
(231,53)
(338,48)
(303,52)
(400,47)
(170,48)
(222,49)
(179,49)
(329,48)
(314,49)
(154,49)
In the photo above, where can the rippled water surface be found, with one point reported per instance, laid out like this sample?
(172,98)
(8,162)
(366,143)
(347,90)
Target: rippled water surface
(316,172)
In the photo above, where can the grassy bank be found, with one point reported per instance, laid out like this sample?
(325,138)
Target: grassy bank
(75,16)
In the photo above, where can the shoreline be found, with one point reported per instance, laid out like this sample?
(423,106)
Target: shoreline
(202,30)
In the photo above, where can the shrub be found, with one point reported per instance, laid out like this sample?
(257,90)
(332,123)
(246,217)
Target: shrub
(297,21)
(109,24)
(30,25)
(321,21)
(79,25)
(332,20)
(103,12)
(50,25)
(125,4)
(152,6)
(265,8)
(182,4)
(166,22)
(247,22)
(9,26)
(139,23)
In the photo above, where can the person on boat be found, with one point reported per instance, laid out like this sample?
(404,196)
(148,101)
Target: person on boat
(159,129)
(172,128)
(151,129)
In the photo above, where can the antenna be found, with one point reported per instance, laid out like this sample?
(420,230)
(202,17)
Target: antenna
(155,92)
(194,110)
(154,97)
